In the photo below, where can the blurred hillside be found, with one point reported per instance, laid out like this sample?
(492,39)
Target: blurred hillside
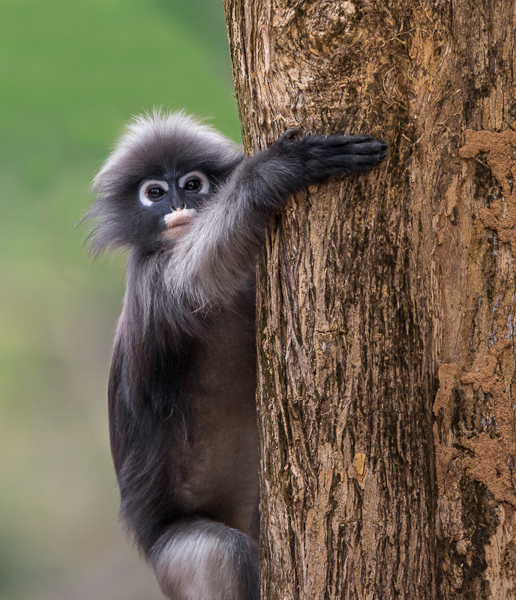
(71,75)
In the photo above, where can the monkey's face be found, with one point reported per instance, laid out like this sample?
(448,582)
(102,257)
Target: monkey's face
(163,170)
(173,201)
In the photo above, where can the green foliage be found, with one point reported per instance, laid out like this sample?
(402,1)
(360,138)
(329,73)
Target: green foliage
(72,74)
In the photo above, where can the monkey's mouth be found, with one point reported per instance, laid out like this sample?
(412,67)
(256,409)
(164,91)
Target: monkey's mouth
(178,220)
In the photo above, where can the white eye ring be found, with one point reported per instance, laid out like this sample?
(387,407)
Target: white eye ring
(146,186)
(205,184)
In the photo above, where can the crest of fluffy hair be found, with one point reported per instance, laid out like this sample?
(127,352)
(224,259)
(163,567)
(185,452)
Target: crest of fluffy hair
(153,144)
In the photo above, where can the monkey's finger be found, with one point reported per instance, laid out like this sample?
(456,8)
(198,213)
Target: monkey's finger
(355,160)
(340,140)
(333,141)
(345,164)
(347,149)
(373,147)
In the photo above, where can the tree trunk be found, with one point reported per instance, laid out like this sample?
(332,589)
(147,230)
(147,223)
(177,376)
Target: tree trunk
(387,378)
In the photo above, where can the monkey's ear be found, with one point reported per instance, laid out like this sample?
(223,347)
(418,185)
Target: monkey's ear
(113,222)
(104,230)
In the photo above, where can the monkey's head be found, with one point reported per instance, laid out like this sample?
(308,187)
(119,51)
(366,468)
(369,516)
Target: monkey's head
(162,170)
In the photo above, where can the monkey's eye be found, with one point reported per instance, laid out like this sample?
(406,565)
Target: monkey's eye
(193,185)
(152,190)
(195,181)
(155,192)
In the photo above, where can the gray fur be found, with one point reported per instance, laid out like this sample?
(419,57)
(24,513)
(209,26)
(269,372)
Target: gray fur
(183,376)
(155,128)
(209,265)
(202,560)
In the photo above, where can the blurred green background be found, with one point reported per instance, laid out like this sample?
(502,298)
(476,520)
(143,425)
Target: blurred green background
(71,75)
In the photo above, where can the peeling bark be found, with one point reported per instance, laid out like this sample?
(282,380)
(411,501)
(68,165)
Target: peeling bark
(386,304)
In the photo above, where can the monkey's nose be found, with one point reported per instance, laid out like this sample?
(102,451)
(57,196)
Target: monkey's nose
(182,207)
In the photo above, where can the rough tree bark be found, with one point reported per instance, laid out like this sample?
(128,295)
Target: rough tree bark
(386,304)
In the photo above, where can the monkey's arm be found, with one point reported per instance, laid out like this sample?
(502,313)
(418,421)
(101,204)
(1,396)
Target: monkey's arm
(211,262)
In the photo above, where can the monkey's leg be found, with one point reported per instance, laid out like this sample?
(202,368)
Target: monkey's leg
(205,560)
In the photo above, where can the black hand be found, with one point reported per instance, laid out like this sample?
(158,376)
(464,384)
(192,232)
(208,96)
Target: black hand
(320,157)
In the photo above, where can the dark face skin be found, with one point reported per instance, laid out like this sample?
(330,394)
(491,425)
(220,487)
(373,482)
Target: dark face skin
(174,200)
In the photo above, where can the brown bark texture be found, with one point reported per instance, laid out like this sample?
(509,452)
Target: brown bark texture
(386,302)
